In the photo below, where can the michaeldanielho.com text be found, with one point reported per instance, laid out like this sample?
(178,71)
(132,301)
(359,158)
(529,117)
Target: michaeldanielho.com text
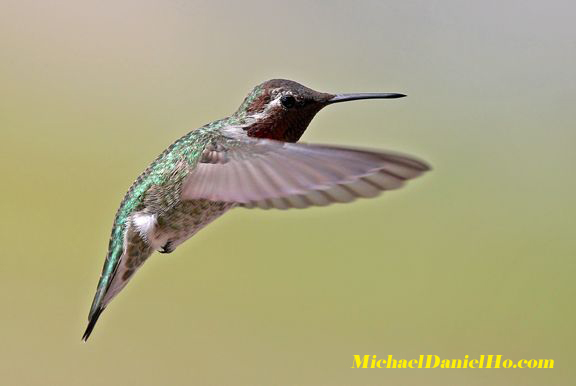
(434,361)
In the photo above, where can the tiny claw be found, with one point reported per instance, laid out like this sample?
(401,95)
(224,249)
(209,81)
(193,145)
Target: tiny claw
(167,248)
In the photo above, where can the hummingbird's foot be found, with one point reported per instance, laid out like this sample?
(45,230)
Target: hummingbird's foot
(167,248)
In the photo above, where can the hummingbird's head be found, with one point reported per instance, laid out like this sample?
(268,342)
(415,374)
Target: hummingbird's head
(281,109)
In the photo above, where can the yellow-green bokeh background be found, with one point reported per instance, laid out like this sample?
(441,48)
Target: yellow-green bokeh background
(476,257)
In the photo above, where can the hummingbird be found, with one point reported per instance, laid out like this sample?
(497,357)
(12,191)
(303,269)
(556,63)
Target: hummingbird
(250,159)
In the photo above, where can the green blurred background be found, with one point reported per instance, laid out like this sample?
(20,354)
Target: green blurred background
(474,258)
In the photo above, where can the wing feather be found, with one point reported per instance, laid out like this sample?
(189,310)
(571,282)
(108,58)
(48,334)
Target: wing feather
(260,173)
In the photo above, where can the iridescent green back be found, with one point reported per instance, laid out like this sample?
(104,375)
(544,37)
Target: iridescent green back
(162,173)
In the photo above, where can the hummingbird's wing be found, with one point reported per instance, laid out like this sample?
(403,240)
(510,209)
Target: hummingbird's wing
(271,174)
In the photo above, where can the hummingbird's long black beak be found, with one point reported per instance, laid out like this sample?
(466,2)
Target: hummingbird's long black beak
(363,95)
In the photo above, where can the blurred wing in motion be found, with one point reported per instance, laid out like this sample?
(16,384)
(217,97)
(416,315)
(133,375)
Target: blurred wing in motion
(261,173)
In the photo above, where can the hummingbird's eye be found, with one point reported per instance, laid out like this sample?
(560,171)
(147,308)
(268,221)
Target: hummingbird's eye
(288,101)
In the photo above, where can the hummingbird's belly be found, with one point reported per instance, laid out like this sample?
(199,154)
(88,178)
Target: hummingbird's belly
(185,219)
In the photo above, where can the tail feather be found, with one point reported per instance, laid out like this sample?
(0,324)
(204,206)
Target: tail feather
(117,271)
(92,322)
